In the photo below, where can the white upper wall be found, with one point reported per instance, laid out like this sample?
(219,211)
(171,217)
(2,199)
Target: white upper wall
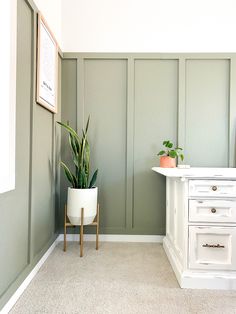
(142,25)
(51,11)
(147,25)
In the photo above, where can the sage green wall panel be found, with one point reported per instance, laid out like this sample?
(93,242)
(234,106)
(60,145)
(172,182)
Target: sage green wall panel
(57,154)
(42,173)
(14,205)
(105,100)
(157,96)
(207,112)
(69,101)
(28,223)
(156,99)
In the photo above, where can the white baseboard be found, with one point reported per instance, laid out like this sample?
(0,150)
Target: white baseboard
(9,305)
(115,238)
(75,237)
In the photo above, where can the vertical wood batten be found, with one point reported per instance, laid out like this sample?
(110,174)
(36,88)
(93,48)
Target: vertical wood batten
(232,112)
(181,103)
(80,93)
(53,172)
(57,150)
(33,93)
(130,144)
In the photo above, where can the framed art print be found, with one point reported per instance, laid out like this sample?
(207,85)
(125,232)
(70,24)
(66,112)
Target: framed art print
(47,67)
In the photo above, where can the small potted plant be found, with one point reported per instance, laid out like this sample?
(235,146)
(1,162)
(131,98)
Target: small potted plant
(82,193)
(168,156)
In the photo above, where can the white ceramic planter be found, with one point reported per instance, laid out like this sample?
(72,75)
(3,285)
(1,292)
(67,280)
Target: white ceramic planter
(82,198)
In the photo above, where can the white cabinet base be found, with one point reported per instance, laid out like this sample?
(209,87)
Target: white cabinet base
(200,240)
(197,279)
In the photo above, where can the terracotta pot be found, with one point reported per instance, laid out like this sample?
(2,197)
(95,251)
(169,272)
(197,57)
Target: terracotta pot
(167,162)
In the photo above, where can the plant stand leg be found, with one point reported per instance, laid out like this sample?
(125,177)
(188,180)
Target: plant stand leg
(97,228)
(82,232)
(65,214)
(80,236)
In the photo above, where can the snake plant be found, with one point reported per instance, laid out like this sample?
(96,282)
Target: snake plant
(80,152)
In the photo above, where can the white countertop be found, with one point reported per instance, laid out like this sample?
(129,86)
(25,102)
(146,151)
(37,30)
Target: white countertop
(221,173)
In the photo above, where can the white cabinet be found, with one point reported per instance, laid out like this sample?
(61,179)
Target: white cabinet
(212,248)
(205,210)
(200,239)
(212,188)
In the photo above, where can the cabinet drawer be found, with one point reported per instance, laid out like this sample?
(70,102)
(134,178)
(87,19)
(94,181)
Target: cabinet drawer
(212,248)
(212,211)
(215,188)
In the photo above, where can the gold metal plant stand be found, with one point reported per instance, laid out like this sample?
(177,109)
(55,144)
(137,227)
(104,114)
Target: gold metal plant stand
(81,238)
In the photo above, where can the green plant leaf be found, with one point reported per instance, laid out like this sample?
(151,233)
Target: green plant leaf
(87,124)
(80,152)
(69,129)
(162,152)
(74,150)
(72,144)
(93,180)
(166,143)
(80,179)
(172,154)
(86,158)
(76,163)
(71,178)
(84,179)
(84,139)
(170,151)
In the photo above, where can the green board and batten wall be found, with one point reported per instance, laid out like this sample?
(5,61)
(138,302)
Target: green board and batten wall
(135,102)
(28,214)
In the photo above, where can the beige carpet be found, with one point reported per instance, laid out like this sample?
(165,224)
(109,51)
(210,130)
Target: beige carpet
(119,278)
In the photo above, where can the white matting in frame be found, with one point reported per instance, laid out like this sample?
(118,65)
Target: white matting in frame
(47,66)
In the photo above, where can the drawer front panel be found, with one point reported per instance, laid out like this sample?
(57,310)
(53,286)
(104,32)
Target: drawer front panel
(212,188)
(212,248)
(212,211)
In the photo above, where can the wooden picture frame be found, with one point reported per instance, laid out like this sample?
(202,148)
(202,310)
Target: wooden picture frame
(47,67)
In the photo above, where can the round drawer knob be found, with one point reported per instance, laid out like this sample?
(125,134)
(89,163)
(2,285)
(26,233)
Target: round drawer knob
(213,210)
(214,188)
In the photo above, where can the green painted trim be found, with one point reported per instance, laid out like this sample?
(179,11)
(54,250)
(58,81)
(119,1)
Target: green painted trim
(232,112)
(181,104)
(53,170)
(32,5)
(80,94)
(114,230)
(33,93)
(130,145)
(60,52)
(100,55)
(132,231)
